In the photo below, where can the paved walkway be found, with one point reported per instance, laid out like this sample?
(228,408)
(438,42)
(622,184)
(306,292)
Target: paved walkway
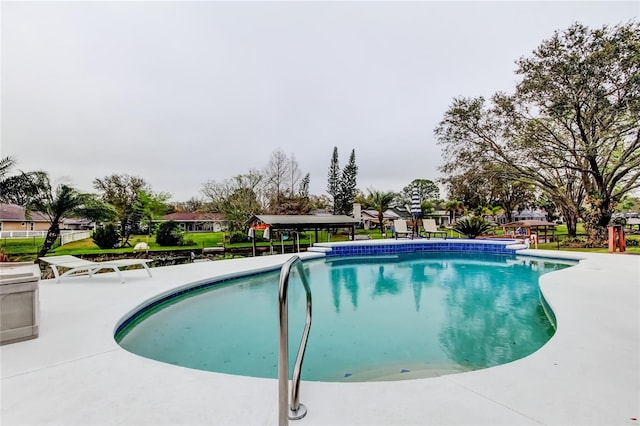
(75,373)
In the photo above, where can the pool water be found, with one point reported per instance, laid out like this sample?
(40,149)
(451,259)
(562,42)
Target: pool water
(374,318)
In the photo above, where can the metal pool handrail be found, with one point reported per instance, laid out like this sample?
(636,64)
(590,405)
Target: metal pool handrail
(296,410)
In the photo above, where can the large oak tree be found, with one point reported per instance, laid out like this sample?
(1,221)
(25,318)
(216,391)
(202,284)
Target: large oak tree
(572,127)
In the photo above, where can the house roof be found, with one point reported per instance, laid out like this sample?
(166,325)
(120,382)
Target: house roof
(438,213)
(400,211)
(76,221)
(194,217)
(529,224)
(16,213)
(388,214)
(529,213)
(304,221)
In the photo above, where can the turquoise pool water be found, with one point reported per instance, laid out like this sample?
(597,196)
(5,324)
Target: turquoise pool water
(374,318)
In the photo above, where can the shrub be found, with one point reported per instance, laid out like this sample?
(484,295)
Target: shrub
(573,242)
(169,234)
(238,237)
(472,227)
(632,242)
(106,236)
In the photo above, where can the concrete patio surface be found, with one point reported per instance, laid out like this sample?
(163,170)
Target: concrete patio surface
(75,373)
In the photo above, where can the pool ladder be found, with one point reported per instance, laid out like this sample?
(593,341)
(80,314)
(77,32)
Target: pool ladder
(295,410)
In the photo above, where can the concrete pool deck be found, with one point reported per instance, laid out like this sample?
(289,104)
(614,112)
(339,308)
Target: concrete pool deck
(76,374)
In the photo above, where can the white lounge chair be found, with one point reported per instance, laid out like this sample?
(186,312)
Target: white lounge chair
(430,227)
(400,228)
(78,266)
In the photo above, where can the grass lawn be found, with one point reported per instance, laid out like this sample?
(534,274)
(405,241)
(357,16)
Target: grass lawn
(629,249)
(200,240)
(21,246)
(26,249)
(87,246)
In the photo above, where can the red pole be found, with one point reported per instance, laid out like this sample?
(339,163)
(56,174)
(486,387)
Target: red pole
(612,239)
(621,242)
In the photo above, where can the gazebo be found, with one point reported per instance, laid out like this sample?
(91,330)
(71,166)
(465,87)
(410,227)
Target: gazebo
(300,223)
(525,228)
(634,221)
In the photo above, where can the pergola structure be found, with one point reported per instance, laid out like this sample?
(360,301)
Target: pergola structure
(529,227)
(634,221)
(299,223)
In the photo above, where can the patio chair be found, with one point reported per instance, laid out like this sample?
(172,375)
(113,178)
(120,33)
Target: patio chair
(400,228)
(78,266)
(430,227)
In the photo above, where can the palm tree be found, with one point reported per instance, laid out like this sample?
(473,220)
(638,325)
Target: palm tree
(472,226)
(454,207)
(56,204)
(380,201)
(6,164)
(428,207)
(15,189)
(493,212)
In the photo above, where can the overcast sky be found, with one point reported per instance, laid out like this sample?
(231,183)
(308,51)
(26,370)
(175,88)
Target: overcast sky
(179,93)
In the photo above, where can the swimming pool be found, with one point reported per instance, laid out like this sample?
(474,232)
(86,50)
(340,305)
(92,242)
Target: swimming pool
(375,318)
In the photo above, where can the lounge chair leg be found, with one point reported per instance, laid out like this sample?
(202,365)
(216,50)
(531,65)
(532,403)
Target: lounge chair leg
(147,268)
(115,268)
(55,273)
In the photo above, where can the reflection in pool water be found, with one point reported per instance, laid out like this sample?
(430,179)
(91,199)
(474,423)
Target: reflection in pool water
(374,318)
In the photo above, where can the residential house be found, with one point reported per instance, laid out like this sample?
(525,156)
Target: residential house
(440,215)
(402,212)
(197,222)
(16,218)
(523,215)
(369,218)
(77,224)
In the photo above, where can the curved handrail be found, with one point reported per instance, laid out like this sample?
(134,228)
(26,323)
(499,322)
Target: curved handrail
(296,410)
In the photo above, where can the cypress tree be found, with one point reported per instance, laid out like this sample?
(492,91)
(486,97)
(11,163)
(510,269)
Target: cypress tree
(333,183)
(303,190)
(348,185)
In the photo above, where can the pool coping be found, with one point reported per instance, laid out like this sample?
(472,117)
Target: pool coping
(76,374)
